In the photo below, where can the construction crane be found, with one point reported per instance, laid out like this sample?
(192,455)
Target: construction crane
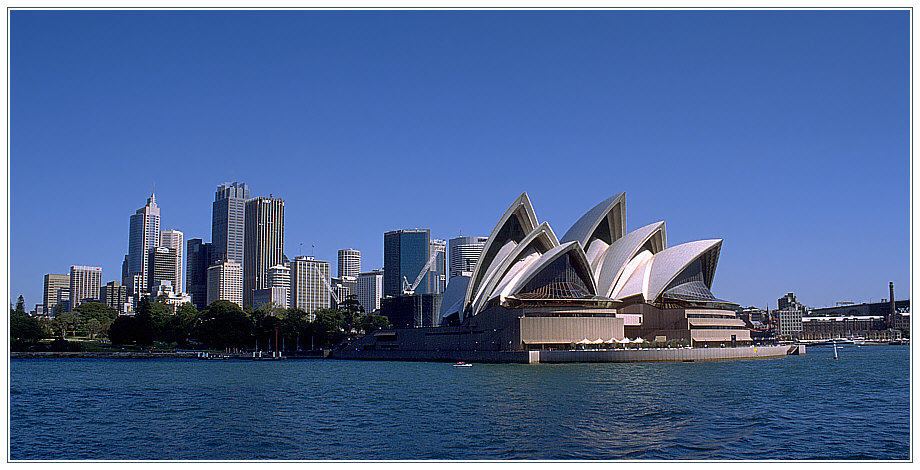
(410,289)
(326,283)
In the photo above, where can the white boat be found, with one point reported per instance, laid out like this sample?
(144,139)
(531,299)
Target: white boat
(463,364)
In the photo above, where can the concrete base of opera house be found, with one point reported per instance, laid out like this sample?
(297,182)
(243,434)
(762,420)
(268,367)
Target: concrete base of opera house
(562,356)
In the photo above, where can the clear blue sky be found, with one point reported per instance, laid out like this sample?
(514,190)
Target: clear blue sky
(784,133)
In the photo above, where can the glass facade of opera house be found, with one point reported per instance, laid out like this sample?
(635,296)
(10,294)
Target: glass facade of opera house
(597,283)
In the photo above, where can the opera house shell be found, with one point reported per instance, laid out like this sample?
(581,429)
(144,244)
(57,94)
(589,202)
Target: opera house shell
(599,283)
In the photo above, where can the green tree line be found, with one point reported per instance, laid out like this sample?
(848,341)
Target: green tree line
(221,325)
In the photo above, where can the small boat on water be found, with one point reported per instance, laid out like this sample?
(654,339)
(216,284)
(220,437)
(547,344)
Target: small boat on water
(463,364)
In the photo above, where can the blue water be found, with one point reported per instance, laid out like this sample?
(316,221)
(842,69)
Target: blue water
(797,407)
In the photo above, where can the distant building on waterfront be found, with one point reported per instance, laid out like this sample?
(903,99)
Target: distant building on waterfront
(54,284)
(225,282)
(370,290)
(405,253)
(84,284)
(114,295)
(343,287)
(161,265)
(263,242)
(279,277)
(196,279)
(788,302)
(310,284)
(349,263)
(166,294)
(437,273)
(464,252)
(144,235)
(228,218)
(172,239)
(412,311)
(789,322)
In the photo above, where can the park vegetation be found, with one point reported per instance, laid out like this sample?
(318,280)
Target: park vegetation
(223,325)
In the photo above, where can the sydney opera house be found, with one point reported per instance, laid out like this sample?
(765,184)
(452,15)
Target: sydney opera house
(531,290)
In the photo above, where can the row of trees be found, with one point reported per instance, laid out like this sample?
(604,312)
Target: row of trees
(222,325)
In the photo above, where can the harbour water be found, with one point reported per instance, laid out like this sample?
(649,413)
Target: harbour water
(797,407)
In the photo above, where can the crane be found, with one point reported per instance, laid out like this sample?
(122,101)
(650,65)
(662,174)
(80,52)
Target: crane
(410,289)
(326,283)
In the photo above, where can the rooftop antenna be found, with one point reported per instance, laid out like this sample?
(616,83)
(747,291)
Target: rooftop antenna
(313,251)
(300,251)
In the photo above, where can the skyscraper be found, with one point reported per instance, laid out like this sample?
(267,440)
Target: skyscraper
(144,234)
(279,276)
(225,282)
(114,295)
(53,285)
(405,253)
(464,252)
(349,262)
(84,284)
(309,281)
(196,279)
(172,239)
(437,272)
(227,222)
(161,265)
(264,242)
(370,290)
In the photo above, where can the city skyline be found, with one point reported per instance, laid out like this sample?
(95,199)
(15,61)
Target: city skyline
(794,147)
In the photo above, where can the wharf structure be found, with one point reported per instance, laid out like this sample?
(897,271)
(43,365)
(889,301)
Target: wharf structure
(532,294)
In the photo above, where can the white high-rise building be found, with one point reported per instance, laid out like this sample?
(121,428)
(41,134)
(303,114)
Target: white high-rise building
(144,234)
(464,252)
(279,277)
(173,239)
(225,282)
(349,263)
(54,285)
(84,284)
(309,281)
(370,290)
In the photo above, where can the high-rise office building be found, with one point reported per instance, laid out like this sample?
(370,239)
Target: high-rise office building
(161,265)
(310,284)
(464,253)
(370,290)
(349,262)
(114,295)
(437,272)
(84,284)
(279,277)
(143,236)
(172,239)
(53,285)
(405,253)
(198,260)
(225,282)
(343,287)
(228,218)
(264,242)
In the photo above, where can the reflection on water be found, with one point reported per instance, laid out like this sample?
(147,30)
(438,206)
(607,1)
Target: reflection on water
(799,407)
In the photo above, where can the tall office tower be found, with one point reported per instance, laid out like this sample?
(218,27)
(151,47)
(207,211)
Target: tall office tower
(161,265)
(84,284)
(172,239)
(196,269)
(52,290)
(437,273)
(405,253)
(264,242)
(144,235)
(114,295)
(227,222)
(343,287)
(370,290)
(279,277)
(225,282)
(309,284)
(464,252)
(349,262)
(64,299)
